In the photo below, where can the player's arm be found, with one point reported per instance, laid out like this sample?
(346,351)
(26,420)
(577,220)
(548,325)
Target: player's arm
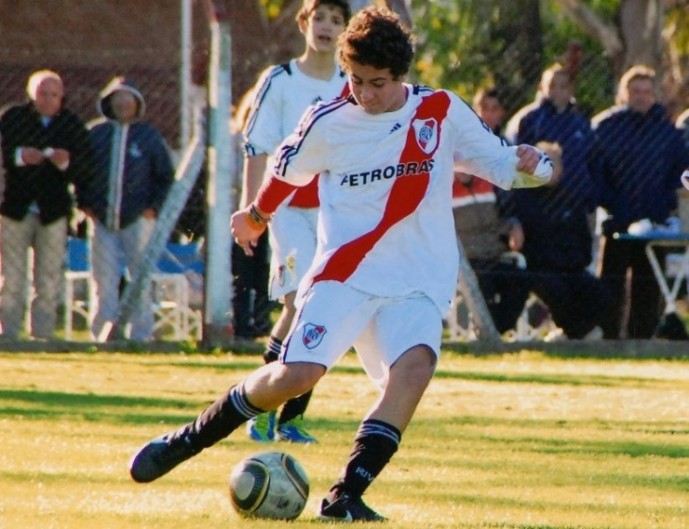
(249,223)
(480,152)
(254,169)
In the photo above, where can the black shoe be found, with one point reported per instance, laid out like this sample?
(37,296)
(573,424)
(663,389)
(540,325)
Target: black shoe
(346,508)
(158,457)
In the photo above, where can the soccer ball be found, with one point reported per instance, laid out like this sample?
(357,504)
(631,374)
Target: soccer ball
(270,485)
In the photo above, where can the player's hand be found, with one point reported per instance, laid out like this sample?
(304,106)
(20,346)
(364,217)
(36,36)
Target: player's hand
(245,232)
(528,158)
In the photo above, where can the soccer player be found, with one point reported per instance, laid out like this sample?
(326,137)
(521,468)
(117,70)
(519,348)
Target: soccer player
(386,263)
(282,94)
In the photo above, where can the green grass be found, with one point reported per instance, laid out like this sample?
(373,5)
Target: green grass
(520,441)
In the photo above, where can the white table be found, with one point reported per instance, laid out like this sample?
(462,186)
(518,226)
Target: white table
(656,240)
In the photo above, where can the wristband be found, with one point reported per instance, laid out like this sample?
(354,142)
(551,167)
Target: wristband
(256,219)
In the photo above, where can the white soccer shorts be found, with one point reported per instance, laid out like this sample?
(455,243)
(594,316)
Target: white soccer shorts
(332,317)
(292,237)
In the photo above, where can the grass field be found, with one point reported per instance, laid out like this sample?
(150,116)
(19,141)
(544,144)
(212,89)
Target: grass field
(520,441)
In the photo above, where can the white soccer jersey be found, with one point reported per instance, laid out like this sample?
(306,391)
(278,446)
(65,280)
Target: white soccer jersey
(385,221)
(283,93)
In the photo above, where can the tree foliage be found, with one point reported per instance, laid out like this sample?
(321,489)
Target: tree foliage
(464,44)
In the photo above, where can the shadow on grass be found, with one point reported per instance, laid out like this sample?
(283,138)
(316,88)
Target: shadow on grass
(98,408)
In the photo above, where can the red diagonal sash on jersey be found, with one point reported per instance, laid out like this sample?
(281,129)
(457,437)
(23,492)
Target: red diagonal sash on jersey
(406,192)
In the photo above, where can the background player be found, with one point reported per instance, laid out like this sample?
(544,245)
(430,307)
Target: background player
(282,94)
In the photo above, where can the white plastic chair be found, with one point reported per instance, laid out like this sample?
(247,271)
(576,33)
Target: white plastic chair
(178,265)
(78,271)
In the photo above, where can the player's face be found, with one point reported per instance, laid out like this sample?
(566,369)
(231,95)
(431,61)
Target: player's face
(124,106)
(49,96)
(376,91)
(641,95)
(324,25)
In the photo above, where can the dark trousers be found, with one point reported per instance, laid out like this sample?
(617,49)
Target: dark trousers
(250,302)
(644,301)
(578,301)
(505,289)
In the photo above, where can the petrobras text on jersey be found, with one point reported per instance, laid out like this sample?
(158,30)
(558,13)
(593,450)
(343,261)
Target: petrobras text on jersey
(401,169)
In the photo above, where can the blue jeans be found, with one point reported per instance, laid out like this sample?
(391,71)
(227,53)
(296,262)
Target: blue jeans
(114,252)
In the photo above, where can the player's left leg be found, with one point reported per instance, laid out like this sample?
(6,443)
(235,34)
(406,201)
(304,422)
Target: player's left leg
(264,389)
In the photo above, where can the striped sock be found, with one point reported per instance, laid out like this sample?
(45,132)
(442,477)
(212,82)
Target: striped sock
(374,445)
(222,417)
(273,349)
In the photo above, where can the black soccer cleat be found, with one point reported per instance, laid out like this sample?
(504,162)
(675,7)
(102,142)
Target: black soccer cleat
(160,456)
(346,508)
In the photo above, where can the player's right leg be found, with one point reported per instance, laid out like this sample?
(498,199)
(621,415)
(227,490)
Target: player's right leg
(265,389)
(399,352)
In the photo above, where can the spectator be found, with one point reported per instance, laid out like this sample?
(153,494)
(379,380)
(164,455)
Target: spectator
(558,247)
(134,175)
(486,233)
(487,103)
(282,94)
(682,124)
(554,118)
(639,158)
(45,148)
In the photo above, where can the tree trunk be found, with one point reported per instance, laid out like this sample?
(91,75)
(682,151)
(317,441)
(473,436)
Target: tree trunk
(521,60)
(641,25)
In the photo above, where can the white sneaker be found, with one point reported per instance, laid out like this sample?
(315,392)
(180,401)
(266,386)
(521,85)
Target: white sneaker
(594,334)
(556,335)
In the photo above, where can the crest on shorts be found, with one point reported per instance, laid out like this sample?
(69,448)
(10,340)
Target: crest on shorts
(426,134)
(313,335)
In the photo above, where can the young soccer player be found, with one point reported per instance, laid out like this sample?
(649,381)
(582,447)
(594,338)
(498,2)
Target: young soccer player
(281,96)
(386,262)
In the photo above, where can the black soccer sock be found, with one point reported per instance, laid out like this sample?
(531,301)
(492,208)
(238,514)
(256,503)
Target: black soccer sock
(295,407)
(374,445)
(220,419)
(273,348)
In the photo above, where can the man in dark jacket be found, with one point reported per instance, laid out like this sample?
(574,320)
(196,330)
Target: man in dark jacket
(134,176)
(639,158)
(557,234)
(45,148)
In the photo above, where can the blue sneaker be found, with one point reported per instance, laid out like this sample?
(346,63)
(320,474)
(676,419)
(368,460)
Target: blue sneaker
(292,432)
(262,427)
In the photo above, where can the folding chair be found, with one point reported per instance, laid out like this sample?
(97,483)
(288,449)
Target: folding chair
(178,266)
(78,280)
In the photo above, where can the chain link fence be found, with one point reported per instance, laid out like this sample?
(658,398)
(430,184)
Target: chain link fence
(89,43)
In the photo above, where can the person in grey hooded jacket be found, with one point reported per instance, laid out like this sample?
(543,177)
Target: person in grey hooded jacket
(134,176)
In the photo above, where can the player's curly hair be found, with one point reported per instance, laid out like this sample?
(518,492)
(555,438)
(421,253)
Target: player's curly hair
(377,37)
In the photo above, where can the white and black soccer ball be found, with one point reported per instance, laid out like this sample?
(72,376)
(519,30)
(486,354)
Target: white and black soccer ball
(270,485)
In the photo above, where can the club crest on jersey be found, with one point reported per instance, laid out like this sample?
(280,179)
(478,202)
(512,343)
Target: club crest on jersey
(426,134)
(313,335)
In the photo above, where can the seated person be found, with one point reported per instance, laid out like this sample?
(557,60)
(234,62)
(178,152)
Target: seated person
(558,248)
(486,236)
